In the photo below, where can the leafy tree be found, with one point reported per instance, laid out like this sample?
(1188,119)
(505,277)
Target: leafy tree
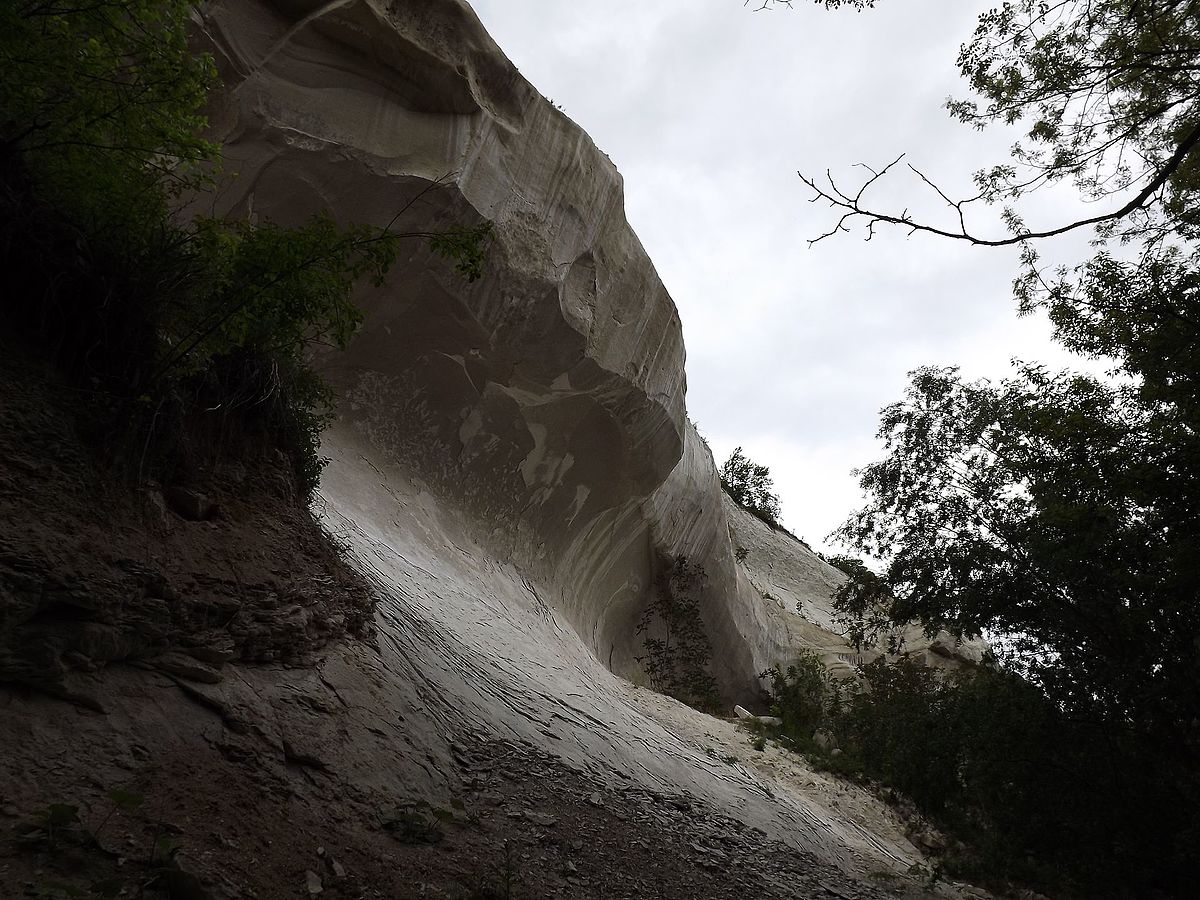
(749,484)
(1108,94)
(1055,512)
(1022,790)
(101,132)
(101,104)
(801,695)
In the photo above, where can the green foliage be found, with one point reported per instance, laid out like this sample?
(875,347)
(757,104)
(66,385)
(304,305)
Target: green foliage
(801,695)
(100,133)
(749,484)
(1054,511)
(102,102)
(677,649)
(466,246)
(1106,93)
(1025,792)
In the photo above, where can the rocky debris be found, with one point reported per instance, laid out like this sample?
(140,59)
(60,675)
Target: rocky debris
(189,504)
(312,883)
(744,714)
(92,574)
(633,842)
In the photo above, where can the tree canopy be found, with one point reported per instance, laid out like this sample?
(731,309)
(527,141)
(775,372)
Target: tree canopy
(1108,95)
(1055,512)
(750,486)
(101,136)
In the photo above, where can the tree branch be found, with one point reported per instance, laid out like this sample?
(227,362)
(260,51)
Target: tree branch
(852,206)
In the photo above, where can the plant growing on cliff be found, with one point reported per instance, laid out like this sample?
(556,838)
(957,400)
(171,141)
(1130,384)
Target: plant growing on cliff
(749,484)
(801,695)
(678,652)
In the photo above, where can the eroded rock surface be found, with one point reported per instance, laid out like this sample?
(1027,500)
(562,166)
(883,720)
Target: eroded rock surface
(510,458)
(793,588)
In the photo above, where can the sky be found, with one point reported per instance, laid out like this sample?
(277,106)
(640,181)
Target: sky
(709,109)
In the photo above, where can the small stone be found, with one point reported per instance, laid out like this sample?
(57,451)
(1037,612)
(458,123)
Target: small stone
(339,871)
(189,504)
(595,799)
(10,811)
(313,883)
(187,668)
(543,819)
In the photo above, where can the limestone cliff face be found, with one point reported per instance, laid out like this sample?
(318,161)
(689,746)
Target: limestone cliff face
(792,589)
(510,458)
(547,399)
(545,402)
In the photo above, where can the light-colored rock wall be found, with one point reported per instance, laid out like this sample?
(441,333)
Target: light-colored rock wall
(510,456)
(546,400)
(793,589)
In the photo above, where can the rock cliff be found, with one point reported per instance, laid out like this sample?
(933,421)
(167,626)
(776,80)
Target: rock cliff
(546,401)
(510,458)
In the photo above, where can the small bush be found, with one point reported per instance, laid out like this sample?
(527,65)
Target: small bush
(169,325)
(677,661)
(749,485)
(801,695)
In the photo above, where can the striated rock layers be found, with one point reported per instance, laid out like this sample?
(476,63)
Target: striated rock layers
(546,401)
(543,404)
(511,458)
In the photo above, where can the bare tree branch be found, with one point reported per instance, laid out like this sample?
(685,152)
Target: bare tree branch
(852,206)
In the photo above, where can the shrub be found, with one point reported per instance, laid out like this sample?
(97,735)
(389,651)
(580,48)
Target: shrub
(800,696)
(749,484)
(1027,793)
(677,662)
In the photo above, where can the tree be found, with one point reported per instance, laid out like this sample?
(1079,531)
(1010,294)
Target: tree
(1056,512)
(1109,94)
(1053,511)
(678,653)
(749,484)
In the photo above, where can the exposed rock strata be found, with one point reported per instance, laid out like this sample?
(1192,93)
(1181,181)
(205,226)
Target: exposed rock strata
(793,589)
(547,400)
(510,457)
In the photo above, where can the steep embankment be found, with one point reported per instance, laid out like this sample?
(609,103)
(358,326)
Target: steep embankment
(509,457)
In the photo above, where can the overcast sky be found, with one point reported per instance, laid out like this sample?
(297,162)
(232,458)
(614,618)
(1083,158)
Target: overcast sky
(709,109)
